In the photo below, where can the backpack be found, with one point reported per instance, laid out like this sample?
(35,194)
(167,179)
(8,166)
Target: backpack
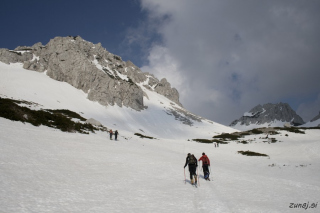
(205,160)
(192,159)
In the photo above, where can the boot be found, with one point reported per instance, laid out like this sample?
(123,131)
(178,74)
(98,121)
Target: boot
(192,181)
(196,180)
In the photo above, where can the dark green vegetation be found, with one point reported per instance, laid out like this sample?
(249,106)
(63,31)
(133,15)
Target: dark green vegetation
(227,136)
(59,119)
(203,140)
(266,133)
(236,136)
(316,127)
(209,141)
(273,140)
(255,131)
(68,113)
(143,136)
(291,129)
(250,153)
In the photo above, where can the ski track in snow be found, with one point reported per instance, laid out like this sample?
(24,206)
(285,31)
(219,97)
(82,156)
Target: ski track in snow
(46,170)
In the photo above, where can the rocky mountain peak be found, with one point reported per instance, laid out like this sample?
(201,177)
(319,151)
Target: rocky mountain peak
(104,76)
(268,114)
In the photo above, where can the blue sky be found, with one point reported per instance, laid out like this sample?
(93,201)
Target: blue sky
(223,56)
(108,22)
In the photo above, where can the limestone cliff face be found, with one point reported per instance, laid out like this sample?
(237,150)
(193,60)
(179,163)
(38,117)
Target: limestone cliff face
(90,67)
(269,113)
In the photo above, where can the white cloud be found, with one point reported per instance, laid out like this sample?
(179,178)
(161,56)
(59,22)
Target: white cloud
(163,65)
(225,57)
(309,110)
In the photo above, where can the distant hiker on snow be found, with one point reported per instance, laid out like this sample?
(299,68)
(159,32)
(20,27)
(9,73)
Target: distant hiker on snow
(205,165)
(111,133)
(191,161)
(116,134)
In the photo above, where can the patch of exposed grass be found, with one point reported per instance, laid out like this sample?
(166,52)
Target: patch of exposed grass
(227,136)
(143,136)
(68,113)
(273,140)
(58,119)
(210,141)
(256,131)
(244,133)
(250,153)
(220,142)
(203,140)
(291,129)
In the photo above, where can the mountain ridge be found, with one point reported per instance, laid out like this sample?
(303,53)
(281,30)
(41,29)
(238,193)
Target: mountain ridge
(268,115)
(91,68)
(117,94)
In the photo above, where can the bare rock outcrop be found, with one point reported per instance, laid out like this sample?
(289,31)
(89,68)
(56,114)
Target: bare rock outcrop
(105,77)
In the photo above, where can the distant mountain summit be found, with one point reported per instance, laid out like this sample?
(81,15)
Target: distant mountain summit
(90,67)
(268,115)
(314,122)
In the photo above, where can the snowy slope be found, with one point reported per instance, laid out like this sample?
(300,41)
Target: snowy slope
(274,123)
(313,122)
(46,170)
(39,88)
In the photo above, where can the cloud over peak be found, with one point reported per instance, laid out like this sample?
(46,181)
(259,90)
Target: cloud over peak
(228,56)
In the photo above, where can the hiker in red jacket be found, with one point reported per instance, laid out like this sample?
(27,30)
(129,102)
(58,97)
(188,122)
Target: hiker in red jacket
(111,133)
(205,165)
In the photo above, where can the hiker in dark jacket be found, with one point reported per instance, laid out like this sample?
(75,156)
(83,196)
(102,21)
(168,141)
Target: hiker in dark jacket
(205,165)
(116,135)
(192,163)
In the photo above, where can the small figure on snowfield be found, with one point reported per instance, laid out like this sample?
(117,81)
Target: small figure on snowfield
(192,163)
(111,133)
(205,165)
(116,134)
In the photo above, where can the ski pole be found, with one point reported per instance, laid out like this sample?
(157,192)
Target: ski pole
(198,176)
(185,179)
(200,171)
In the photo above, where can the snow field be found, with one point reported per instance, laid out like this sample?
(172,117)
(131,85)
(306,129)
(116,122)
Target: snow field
(46,170)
